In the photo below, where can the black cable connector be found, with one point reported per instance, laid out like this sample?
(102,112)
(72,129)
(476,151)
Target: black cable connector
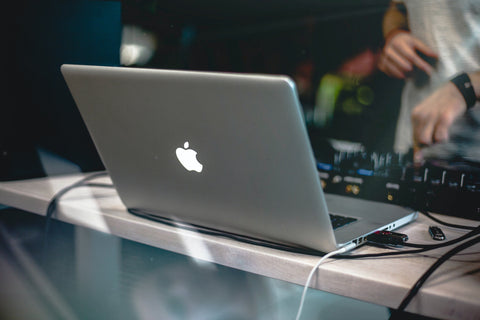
(388,238)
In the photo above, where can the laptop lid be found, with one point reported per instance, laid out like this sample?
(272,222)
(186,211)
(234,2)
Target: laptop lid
(225,151)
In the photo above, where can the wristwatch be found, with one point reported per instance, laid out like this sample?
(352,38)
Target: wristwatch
(465,86)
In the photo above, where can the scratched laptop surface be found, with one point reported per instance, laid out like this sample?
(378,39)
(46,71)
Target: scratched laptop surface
(224,151)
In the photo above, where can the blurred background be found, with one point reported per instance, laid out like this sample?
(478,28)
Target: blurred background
(330,49)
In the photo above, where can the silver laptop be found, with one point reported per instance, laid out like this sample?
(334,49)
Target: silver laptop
(224,151)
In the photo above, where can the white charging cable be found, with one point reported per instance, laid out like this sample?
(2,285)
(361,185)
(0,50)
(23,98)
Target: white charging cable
(344,249)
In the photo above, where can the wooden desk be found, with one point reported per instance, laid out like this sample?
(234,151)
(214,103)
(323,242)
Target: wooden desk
(451,292)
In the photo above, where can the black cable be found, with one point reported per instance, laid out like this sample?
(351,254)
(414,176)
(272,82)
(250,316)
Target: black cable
(421,247)
(224,234)
(416,245)
(426,248)
(453,225)
(416,287)
(393,240)
(52,205)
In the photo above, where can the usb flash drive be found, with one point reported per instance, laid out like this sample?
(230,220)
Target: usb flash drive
(436,233)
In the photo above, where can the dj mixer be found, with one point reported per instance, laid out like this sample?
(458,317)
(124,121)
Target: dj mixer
(447,187)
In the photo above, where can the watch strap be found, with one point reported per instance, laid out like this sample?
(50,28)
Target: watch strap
(465,86)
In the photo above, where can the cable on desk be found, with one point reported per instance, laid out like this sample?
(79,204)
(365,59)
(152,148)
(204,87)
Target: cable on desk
(379,240)
(52,205)
(453,225)
(416,287)
(425,248)
(416,245)
(224,234)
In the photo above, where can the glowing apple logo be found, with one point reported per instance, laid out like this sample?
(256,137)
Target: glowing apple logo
(188,158)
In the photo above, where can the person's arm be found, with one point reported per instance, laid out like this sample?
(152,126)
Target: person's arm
(432,118)
(394,20)
(400,52)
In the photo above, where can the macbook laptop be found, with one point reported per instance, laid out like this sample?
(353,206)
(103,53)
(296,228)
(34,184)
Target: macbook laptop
(223,151)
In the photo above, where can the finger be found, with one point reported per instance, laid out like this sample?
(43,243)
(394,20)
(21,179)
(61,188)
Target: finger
(422,47)
(440,134)
(423,127)
(390,69)
(442,126)
(394,71)
(424,135)
(422,64)
(417,154)
(411,55)
(403,64)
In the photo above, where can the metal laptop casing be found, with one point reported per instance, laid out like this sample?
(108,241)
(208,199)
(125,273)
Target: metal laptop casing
(259,176)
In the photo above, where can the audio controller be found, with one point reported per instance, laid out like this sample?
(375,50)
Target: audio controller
(447,187)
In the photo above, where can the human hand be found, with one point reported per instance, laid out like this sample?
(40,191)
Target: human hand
(401,54)
(432,118)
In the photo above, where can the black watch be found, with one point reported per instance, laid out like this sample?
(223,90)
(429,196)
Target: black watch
(465,86)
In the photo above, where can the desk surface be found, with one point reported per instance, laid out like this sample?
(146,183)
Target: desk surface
(451,292)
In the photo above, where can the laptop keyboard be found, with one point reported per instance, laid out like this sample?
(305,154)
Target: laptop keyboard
(340,221)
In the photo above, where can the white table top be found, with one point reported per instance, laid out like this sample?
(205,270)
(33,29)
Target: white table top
(452,292)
